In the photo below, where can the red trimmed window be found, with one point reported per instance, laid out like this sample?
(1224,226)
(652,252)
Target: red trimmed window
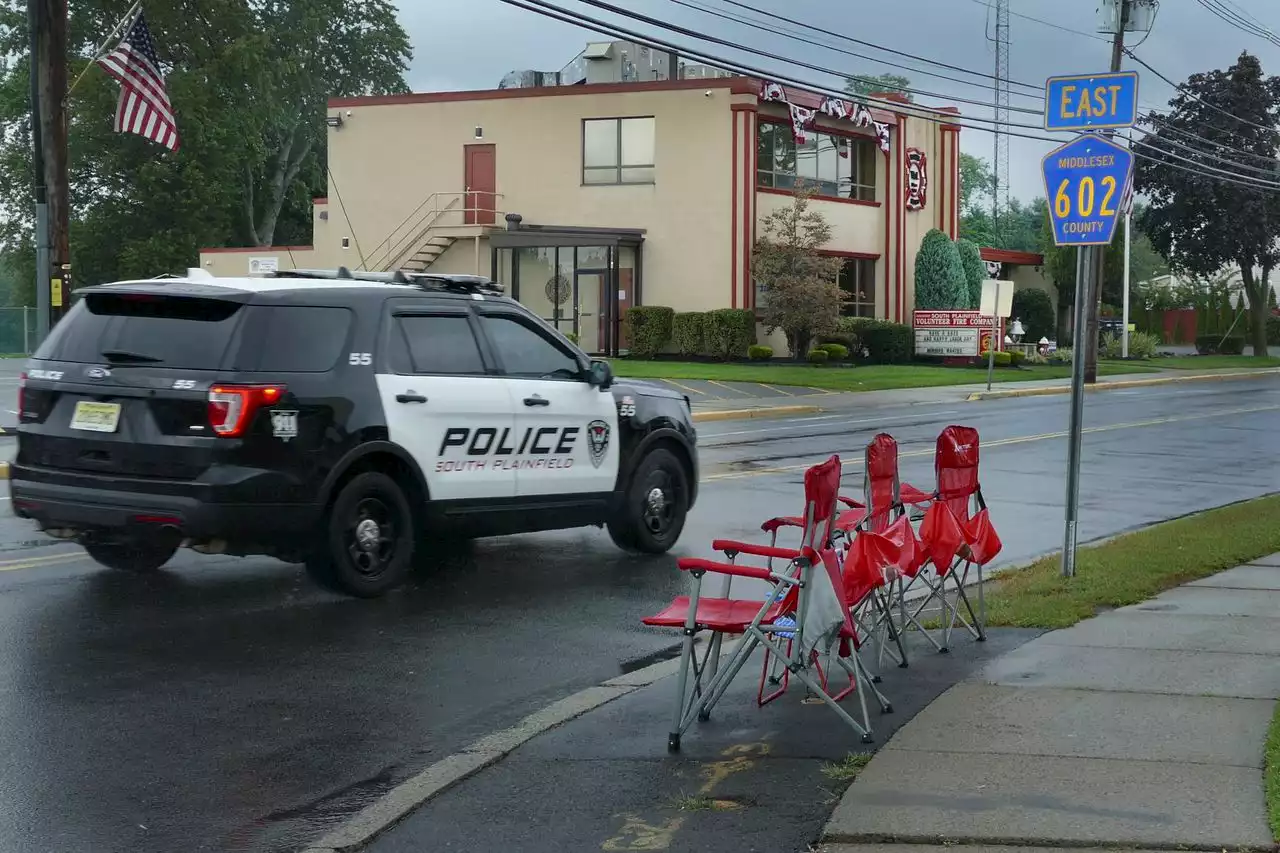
(835,166)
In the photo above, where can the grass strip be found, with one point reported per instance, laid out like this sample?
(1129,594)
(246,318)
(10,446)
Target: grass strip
(1134,567)
(872,377)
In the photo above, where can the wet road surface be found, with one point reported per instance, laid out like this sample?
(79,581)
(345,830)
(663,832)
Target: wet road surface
(227,704)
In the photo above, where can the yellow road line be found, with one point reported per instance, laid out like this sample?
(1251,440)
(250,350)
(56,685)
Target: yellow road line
(41,562)
(685,387)
(779,390)
(1002,442)
(722,385)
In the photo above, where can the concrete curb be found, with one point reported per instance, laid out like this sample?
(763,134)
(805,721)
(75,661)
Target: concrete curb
(766,412)
(490,749)
(1123,383)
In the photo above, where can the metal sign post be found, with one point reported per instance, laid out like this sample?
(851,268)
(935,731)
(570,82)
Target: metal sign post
(1085,182)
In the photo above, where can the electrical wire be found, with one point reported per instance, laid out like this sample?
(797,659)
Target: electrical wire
(549,10)
(1094,36)
(1193,96)
(1235,19)
(685,31)
(1038,89)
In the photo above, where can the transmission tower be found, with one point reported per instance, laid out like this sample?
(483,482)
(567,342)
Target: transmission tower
(1000,164)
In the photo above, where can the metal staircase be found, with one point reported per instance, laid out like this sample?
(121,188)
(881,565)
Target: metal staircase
(427,233)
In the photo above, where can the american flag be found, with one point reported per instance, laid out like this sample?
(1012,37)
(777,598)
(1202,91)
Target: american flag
(144,106)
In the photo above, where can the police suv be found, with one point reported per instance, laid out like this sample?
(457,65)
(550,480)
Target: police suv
(350,421)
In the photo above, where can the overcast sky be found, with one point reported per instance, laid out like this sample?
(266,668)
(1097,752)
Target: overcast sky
(471,44)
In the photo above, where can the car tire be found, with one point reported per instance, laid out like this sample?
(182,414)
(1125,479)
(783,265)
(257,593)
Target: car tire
(654,507)
(130,554)
(368,538)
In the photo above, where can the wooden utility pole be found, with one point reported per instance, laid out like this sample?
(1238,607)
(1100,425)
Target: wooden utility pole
(48,22)
(1100,256)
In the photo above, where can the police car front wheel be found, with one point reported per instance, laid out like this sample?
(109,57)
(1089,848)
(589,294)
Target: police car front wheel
(368,538)
(654,508)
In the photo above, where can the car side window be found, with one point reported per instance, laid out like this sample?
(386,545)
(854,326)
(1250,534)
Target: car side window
(435,344)
(527,354)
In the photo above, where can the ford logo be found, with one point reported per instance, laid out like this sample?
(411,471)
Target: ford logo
(97,372)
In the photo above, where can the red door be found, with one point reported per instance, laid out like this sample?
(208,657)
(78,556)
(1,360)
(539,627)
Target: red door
(481,177)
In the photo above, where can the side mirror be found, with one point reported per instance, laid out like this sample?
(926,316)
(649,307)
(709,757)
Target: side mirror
(600,374)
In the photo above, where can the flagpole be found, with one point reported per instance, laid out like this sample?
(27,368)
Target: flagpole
(97,54)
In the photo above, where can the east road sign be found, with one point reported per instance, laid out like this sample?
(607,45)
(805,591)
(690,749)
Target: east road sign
(1085,182)
(1091,101)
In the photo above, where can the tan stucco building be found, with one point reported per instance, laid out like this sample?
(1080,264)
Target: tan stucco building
(586,199)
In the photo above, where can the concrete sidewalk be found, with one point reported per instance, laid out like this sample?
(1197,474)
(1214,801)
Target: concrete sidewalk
(1140,728)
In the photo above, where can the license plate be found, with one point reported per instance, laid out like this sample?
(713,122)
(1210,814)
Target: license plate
(96,417)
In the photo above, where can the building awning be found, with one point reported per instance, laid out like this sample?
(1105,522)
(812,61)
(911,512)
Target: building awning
(533,236)
(1008,256)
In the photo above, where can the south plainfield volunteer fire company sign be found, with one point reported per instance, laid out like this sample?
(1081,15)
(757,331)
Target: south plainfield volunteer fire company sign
(953,334)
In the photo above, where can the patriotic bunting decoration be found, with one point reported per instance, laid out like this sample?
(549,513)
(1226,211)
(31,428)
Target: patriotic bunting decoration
(917,187)
(802,118)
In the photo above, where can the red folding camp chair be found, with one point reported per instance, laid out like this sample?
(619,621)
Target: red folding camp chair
(808,593)
(884,552)
(955,537)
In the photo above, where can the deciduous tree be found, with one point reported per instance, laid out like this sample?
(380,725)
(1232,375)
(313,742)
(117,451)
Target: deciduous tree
(800,294)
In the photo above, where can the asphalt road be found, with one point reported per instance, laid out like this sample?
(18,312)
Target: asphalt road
(229,705)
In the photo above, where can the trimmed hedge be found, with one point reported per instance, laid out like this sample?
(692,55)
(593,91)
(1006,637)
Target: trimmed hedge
(835,351)
(1016,357)
(818,356)
(689,332)
(889,343)
(759,352)
(1003,359)
(1218,345)
(850,332)
(729,332)
(649,329)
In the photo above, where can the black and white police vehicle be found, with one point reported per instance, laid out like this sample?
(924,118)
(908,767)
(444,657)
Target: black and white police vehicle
(350,421)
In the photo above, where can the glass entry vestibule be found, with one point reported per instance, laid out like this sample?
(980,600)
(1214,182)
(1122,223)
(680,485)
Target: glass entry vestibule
(580,280)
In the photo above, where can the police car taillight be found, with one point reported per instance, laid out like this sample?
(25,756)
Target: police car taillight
(231,407)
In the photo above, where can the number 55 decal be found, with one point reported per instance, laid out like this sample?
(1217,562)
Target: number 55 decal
(360,358)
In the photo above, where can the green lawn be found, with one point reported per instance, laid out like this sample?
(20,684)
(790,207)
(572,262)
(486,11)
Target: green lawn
(874,377)
(1135,567)
(1214,362)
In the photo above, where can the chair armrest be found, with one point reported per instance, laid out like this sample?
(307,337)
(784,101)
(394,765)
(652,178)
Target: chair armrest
(729,546)
(697,564)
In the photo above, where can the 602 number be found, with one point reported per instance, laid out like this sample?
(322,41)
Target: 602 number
(1086,196)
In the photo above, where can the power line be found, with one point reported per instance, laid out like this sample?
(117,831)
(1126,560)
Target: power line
(685,31)
(1094,36)
(1193,96)
(1235,19)
(1162,127)
(545,9)
(775,16)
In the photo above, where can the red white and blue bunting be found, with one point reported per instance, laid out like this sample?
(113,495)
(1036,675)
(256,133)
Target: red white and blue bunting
(917,183)
(802,118)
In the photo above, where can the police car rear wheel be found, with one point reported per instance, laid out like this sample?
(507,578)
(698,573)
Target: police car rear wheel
(369,538)
(654,510)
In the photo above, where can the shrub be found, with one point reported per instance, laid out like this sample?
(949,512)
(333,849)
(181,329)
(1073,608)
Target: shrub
(1109,346)
(975,271)
(649,329)
(834,351)
(1218,345)
(688,333)
(1016,357)
(1273,330)
(1035,309)
(1003,359)
(1036,358)
(572,336)
(939,276)
(818,356)
(851,331)
(730,331)
(759,352)
(1061,356)
(1143,345)
(889,343)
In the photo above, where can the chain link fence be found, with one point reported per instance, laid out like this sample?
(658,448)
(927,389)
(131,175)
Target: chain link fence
(17,331)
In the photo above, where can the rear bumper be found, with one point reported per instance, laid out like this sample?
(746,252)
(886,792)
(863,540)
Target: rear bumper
(89,507)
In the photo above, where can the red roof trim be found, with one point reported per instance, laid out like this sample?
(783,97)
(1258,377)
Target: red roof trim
(320,201)
(263,249)
(1007,256)
(735,85)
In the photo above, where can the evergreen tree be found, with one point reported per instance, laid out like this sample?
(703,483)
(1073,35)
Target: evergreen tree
(940,279)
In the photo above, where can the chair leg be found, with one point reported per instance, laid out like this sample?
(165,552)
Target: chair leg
(686,659)
(803,673)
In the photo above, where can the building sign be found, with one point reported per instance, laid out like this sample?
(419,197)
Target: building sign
(263,266)
(953,334)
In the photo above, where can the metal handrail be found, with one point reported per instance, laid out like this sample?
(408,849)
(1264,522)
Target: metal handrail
(394,250)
